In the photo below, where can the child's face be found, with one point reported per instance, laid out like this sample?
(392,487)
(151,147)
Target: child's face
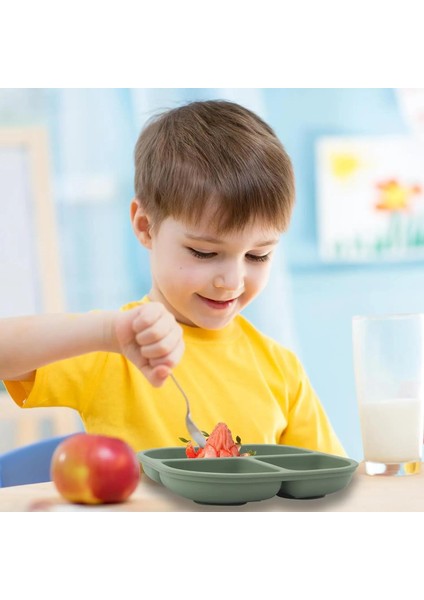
(204,277)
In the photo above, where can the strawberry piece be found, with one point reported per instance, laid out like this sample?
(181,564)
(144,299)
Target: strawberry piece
(209,451)
(220,443)
(223,453)
(191,451)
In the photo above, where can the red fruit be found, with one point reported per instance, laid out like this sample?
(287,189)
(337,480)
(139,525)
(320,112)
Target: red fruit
(94,469)
(191,452)
(220,443)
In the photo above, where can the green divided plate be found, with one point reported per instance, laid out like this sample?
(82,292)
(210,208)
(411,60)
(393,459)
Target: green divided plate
(284,471)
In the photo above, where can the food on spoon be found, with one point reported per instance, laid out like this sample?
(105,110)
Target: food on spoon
(219,444)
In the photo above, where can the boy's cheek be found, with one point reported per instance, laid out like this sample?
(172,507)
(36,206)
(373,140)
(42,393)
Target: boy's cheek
(188,278)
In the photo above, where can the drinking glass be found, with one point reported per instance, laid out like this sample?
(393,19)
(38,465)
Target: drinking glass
(388,356)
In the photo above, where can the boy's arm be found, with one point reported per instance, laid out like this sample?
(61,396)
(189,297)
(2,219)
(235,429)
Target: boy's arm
(148,335)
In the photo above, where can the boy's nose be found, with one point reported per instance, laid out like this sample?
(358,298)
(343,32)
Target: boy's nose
(232,280)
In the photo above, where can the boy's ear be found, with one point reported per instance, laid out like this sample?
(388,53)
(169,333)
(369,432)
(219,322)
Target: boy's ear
(141,223)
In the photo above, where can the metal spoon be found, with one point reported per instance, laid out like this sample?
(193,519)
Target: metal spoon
(194,431)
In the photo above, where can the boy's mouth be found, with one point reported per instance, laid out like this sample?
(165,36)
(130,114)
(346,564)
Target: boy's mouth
(217,304)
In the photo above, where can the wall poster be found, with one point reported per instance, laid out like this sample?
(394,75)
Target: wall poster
(370,197)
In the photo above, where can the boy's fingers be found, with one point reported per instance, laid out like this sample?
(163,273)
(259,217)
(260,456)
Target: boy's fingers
(169,361)
(157,375)
(158,342)
(164,348)
(148,314)
(159,330)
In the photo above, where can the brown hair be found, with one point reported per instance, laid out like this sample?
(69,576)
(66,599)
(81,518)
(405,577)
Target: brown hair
(213,153)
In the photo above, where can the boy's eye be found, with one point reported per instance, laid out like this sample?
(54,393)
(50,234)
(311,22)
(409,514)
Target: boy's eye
(258,258)
(251,257)
(198,254)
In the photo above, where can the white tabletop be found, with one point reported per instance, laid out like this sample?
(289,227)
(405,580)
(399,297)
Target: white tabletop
(364,493)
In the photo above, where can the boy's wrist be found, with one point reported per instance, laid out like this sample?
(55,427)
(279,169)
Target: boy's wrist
(109,339)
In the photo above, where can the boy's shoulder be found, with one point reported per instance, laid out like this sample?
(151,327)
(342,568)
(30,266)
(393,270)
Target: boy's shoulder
(134,303)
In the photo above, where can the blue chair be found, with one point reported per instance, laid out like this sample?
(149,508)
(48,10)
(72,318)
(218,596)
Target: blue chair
(28,464)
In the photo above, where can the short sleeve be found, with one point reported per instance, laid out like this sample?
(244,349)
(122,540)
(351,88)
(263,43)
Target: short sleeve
(67,383)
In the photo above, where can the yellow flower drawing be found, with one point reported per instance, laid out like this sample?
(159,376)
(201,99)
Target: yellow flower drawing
(395,197)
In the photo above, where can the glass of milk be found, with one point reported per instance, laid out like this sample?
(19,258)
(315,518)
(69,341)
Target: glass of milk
(388,356)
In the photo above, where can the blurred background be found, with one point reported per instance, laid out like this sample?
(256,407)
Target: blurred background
(312,295)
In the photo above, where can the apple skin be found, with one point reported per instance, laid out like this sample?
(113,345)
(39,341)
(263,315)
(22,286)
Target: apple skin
(94,469)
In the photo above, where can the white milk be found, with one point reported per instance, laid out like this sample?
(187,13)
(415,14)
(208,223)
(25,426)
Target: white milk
(392,430)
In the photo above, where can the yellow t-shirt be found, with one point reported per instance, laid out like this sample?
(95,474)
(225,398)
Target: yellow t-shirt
(234,375)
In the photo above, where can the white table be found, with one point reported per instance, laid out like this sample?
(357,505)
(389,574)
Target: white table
(364,493)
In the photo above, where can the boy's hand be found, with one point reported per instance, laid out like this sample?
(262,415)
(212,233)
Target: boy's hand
(150,337)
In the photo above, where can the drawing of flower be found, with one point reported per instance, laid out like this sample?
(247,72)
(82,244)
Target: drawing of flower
(395,197)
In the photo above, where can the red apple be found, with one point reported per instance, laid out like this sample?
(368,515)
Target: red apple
(94,469)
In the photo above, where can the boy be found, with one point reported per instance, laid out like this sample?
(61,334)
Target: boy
(214,191)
